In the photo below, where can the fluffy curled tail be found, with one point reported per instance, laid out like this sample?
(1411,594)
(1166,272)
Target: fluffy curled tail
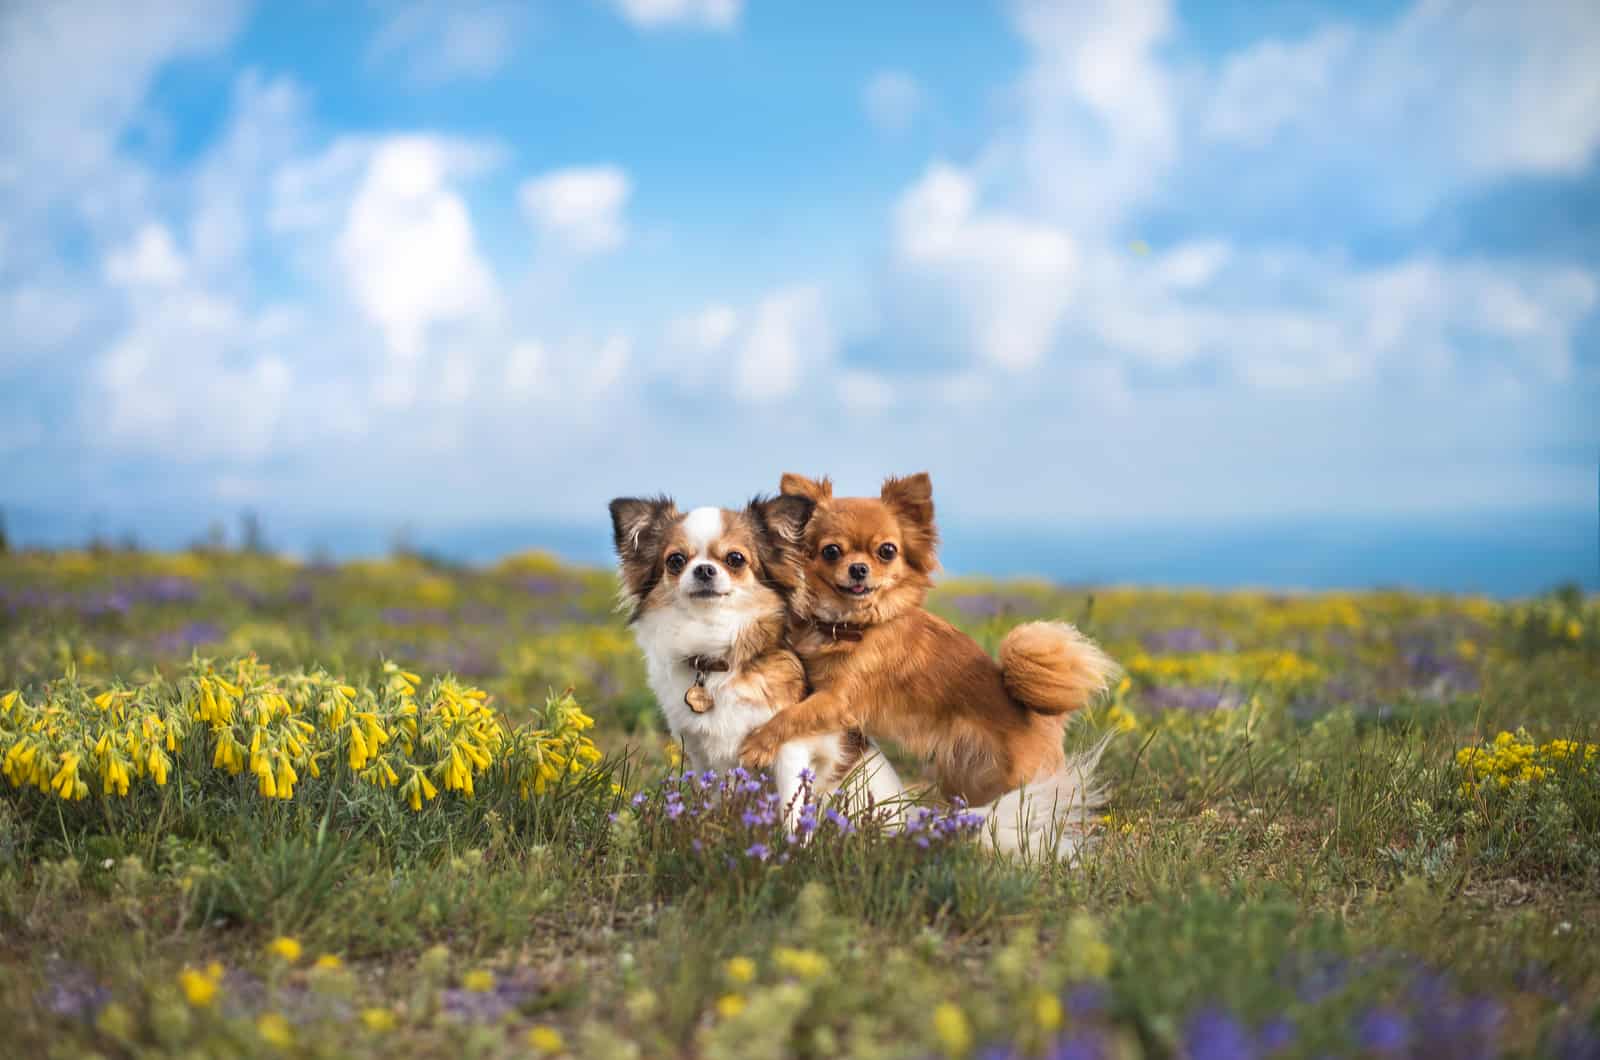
(1052,816)
(1052,668)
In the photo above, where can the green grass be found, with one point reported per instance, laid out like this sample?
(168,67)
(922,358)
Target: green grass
(1293,853)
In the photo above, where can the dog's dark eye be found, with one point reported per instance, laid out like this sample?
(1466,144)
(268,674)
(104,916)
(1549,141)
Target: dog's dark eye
(887,551)
(734,560)
(676,562)
(831,552)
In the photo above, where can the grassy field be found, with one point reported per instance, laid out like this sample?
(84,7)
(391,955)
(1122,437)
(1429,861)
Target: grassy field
(254,807)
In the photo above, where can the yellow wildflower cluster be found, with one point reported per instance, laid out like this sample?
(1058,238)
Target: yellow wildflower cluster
(280,727)
(1516,759)
(1279,668)
(200,985)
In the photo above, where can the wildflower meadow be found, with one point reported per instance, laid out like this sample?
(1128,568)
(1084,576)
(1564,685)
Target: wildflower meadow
(252,806)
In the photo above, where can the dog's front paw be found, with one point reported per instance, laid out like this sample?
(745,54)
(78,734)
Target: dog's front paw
(759,749)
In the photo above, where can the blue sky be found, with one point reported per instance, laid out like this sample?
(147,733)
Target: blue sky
(1092,264)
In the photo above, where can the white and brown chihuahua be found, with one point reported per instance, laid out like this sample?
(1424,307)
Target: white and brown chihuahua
(703,591)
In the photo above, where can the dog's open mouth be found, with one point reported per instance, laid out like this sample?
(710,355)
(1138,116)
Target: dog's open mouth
(856,590)
(705,594)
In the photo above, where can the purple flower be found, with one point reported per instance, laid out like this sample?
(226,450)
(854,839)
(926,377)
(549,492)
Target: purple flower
(639,800)
(840,821)
(1575,1042)
(1081,1046)
(1175,641)
(1382,1030)
(1322,980)
(758,851)
(1276,1034)
(990,605)
(73,993)
(490,1006)
(1212,1034)
(1194,700)
(1087,999)
(188,636)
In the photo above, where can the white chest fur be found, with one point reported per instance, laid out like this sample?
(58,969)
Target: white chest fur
(668,638)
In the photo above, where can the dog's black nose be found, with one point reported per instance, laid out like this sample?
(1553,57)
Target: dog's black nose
(705,572)
(858,571)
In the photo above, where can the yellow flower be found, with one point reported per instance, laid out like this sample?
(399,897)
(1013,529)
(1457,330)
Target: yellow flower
(285,947)
(480,981)
(730,1005)
(199,988)
(1090,955)
(1047,1012)
(546,1041)
(740,969)
(1121,718)
(115,1021)
(329,962)
(807,964)
(377,1020)
(950,1025)
(275,1030)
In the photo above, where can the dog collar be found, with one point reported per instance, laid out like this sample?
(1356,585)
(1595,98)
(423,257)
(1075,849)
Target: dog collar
(695,697)
(851,631)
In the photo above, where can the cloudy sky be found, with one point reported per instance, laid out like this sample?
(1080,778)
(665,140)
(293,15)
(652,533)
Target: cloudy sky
(1093,264)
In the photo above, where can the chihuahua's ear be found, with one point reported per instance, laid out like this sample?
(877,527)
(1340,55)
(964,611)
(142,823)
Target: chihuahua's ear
(799,486)
(782,521)
(783,518)
(638,527)
(911,500)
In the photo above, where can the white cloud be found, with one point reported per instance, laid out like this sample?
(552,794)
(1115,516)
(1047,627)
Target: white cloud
(1025,244)
(892,100)
(580,207)
(526,369)
(39,317)
(1276,321)
(864,391)
(1100,117)
(704,332)
(1193,264)
(231,187)
(607,364)
(790,332)
(151,260)
(702,14)
(1275,83)
(1014,277)
(408,250)
(442,41)
(191,380)
(578,366)
(84,67)
(1443,96)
